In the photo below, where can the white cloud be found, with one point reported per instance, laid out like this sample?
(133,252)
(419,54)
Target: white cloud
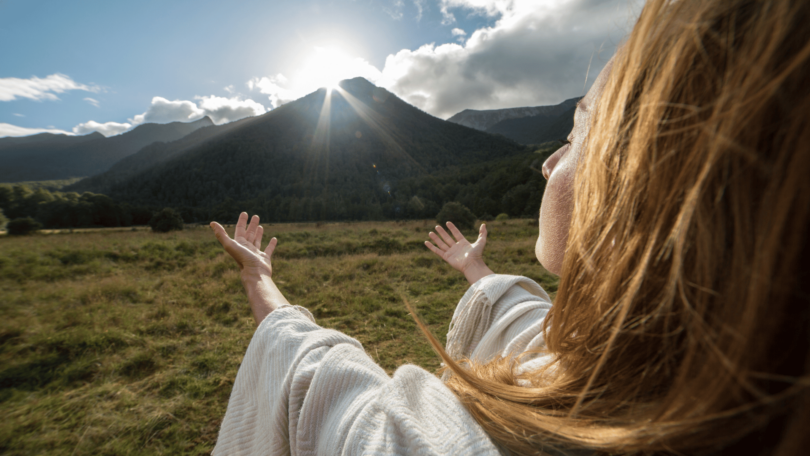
(537,52)
(220,110)
(224,110)
(19,115)
(40,88)
(92,101)
(230,89)
(106,129)
(274,87)
(420,9)
(459,34)
(395,11)
(13,130)
(164,111)
(493,7)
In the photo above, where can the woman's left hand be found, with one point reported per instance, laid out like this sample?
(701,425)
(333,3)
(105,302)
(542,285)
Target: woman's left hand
(245,247)
(459,253)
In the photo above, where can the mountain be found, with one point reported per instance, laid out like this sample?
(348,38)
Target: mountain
(42,139)
(149,156)
(536,129)
(328,155)
(529,125)
(47,156)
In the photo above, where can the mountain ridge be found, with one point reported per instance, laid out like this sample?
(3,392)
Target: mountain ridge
(487,118)
(41,157)
(374,141)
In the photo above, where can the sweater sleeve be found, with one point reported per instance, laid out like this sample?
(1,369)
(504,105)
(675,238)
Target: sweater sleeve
(500,315)
(303,389)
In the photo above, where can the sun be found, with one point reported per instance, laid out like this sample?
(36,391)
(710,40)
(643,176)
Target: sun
(326,67)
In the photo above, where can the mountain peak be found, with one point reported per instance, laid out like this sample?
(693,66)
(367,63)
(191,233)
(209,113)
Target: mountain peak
(204,122)
(358,82)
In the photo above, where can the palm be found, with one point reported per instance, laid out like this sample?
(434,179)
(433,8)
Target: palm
(245,247)
(458,252)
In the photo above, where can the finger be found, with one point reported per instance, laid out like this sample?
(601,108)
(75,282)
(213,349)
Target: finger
(240,225)
(250,233)
(445,236)
(438,241)
(271,247)
(434,249)
(231,246)
(258,241)
(456,233)
(219,232)
(482,235)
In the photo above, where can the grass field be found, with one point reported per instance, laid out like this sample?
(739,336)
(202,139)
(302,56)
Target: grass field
(128,342)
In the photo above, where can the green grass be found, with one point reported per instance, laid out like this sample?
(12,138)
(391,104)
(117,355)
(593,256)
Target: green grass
(128,342)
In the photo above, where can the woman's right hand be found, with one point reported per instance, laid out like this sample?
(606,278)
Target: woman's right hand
(245,247)
(459,253)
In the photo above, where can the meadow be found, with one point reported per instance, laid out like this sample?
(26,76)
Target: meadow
(128,341)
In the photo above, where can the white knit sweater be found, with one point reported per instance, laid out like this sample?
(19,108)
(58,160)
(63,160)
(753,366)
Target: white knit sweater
(303,389)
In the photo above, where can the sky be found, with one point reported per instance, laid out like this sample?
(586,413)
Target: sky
(108,66)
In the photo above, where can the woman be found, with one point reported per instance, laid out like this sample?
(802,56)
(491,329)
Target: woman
(677,218)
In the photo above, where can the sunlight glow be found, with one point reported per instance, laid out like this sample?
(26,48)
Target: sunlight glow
(326,67)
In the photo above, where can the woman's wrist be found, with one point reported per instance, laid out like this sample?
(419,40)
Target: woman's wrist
(476,271)
(263,295)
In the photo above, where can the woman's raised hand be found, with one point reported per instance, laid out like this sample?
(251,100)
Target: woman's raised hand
(459,253)
(245,247)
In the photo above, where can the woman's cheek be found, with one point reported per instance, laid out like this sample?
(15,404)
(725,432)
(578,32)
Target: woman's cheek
(555,218)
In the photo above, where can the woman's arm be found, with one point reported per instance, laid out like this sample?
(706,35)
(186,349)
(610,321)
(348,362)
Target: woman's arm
(305,389)
(459,253)
(499,315)
(263,295)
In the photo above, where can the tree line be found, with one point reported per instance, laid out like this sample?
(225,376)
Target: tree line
(513,186)
(69,210)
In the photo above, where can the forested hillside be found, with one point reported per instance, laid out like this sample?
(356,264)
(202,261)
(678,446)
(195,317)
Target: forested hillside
(47,156)
(536,129)
(151,155)
(527,125)
(355,153)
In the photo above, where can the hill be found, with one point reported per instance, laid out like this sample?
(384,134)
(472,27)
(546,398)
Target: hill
(536,129)
(528,125)
(48,157)
(149,156)
(327,156)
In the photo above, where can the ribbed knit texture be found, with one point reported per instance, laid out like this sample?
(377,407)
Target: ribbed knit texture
(303,389)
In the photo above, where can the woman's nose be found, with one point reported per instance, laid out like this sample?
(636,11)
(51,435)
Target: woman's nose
(551,162)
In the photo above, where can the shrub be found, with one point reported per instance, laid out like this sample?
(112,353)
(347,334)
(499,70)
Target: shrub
(485,218)
(3,220)
(166,220)
(501,217)
(457,213)
(23,225)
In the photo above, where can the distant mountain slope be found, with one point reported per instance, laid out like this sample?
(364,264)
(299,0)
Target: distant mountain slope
(47,157)
(536,129)
(530,125)
(149,156)
(485,119)
(373,141)
(11,143)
